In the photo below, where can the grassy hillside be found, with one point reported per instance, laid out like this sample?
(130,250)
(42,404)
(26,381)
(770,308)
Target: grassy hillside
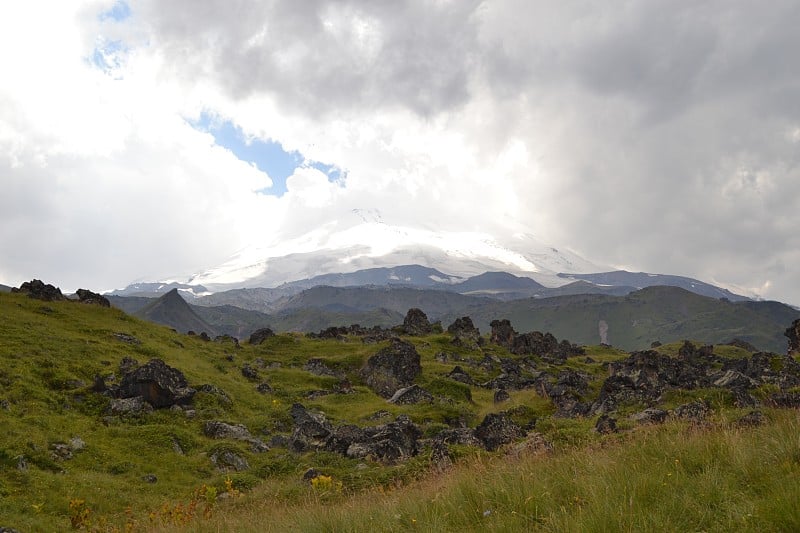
(64,457)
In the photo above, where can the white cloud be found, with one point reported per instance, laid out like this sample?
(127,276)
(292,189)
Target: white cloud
(657,135)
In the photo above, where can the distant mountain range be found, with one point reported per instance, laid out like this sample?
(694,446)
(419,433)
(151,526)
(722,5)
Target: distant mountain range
(630,322)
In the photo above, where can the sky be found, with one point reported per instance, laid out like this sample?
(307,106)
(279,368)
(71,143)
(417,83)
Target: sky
(145,139)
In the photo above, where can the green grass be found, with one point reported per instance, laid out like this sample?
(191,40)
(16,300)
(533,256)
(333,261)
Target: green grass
(668,478)
(51,352)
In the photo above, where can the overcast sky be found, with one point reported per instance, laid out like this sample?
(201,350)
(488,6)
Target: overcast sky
(661,136)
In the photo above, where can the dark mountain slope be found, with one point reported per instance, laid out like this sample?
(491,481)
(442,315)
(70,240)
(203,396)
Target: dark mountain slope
(642,280)
(634,321)
(173,311)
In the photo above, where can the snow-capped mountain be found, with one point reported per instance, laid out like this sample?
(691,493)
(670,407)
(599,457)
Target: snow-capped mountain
(373,244)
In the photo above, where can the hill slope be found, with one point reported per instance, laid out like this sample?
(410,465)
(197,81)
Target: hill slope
(173,311)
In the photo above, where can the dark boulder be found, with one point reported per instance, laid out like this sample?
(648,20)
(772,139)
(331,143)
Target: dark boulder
(462,436)
(134,406)
(318,367)
(311,429)
(497,429)
(128,365)
(392,368)
(606,424)
(650,415)
(696,411)
(464,333)
(215,429)
(40,291)
(389,443)
(250,372)
(501,395)
(227,339)
(341,438)
(458,374)
(260,335)
(88,297)
(416,323)
(411,395)
(227,460)
(751,419)
(159,384)
(784,399)
(502,333)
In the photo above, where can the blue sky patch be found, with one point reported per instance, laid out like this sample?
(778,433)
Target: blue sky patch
(118,12)
(108,56)
(267,156)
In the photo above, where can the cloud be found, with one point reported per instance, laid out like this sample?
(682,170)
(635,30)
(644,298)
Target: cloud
(661,136)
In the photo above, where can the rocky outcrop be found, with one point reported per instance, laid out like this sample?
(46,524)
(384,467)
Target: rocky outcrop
(464,333)
(40,291)
(215,429)
(411,395)
(157,383)
(416,323)
(392,368)
(260,335)
(533,343)
(458,374)
(227,460)
(318,367)
(86,296)
(497,429)
(311,429)
(606,424)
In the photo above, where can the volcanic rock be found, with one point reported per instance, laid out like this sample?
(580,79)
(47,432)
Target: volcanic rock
(260,335)
(497,429)
(392,368)
(40,291)
(416,323)
(160,385)
(88,297)
(411,395)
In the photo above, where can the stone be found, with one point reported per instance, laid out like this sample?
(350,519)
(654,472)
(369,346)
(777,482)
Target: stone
(159,384)
(310,474)
(61,451)
(534,444)
(694,411)
(227,339)
(650,416)
(128,365)
(731,379)
(77,444)
(461,436)
(392,368)
(458,374)
(464,333)
(411,395)
(215,429)
(249,372)
(751,419)
(264,388)
(416,323)
(129,406)
(124,337)
(497,429)
(149,478)
(40,291)
(502,333)
(92,298)
(227,460)
(260,335)
(318,367)
(606,424)
(215,391)
(501,395)
(311,429)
